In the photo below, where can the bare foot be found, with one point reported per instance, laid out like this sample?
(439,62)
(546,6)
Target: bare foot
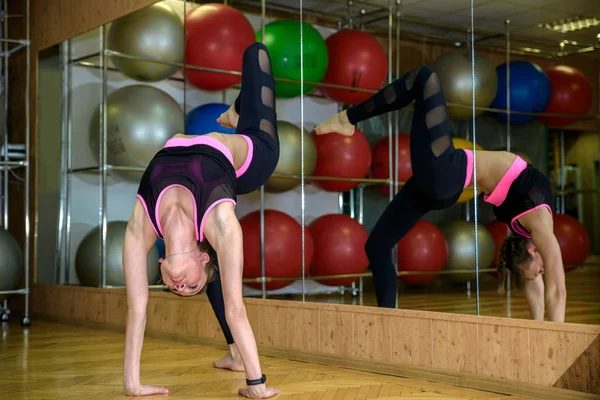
(337,123)
(229,119)
(228,362)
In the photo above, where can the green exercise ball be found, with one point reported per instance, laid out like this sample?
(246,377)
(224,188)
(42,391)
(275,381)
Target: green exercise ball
(154,32)
(87,259)
(461,248)
(454,71)
(290,158)
(282,38)
(140,120)
(11,263)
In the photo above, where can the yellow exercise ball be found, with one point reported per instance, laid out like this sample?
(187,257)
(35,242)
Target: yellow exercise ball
(290,158)
(461,143)
(454,70)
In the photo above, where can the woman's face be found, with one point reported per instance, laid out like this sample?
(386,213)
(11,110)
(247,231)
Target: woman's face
(184,274)
(533,268)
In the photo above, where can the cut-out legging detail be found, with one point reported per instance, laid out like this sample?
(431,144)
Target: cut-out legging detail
(257,112)
(255,106)
(439,170)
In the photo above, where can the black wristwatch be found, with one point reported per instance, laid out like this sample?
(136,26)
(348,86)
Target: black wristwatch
(259,381)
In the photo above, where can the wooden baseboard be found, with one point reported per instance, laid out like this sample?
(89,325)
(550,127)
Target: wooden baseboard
(461,379)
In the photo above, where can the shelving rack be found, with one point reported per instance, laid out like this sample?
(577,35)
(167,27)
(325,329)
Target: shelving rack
(370,17)
(16,156)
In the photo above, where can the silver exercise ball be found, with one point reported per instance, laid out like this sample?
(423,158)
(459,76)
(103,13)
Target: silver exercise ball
(140,120)
(87,259)
(290,157)
(454,70)
(461,248)
(11,263)
(154,32)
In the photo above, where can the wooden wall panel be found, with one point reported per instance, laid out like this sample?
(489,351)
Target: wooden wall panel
(447,346)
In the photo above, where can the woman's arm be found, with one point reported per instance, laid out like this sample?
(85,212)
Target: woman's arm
(534,294)
(136,245)
(224,233)
(541,226)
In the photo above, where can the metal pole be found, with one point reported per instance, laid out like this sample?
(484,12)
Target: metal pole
(302,188)
(474,156)
(468,133)
(562,150)
(262,188)
(352,205)
(103,143)
(6,83)
(69,176)
(397,113)
(507,25)
(361,192)
(27,167)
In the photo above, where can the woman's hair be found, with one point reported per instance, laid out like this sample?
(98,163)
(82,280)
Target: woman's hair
(513,252)
(211,266)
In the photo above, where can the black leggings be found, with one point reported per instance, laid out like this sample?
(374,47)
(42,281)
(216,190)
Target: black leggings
(255,106)
(439,170)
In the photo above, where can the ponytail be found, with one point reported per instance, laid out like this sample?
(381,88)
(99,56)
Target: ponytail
(513,253)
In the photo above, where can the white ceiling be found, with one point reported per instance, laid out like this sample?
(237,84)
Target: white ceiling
(431,17)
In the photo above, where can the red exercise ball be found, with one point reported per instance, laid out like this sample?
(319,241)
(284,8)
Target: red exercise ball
(573,239)
(356,59)
(499,232)
(424,248)
(380,169)
(570,93)
(283,248)
(339,248)
(216,37)
(341,156)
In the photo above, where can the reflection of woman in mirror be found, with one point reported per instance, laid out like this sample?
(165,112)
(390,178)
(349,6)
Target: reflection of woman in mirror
(521,195)
(187,196)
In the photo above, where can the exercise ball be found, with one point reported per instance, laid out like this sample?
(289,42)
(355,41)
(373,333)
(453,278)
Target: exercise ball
(461,248)
(203,119)
(282,38)
(11,263)
(529,91)
(499,232)
(573,239)
(356,59)
(155,32)
(460,143)
(339,248)
(380,169)
(341,156)
(216,37)
(570,93)
(454,71)
(87,258)
(423,248)
(290,158)
(140,120)
(283,248)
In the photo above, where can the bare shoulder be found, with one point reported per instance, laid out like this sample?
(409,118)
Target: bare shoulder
(537,220)
(221,219)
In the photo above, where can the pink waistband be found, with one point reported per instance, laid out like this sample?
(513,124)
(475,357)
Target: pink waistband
(499,193)
(248,161)
(469,174)
(203,139)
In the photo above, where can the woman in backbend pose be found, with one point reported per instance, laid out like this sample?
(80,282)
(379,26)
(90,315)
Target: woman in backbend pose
(187,196)
(521,195)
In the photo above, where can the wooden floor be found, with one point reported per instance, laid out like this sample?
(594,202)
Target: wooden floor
(583,298)
(54,361)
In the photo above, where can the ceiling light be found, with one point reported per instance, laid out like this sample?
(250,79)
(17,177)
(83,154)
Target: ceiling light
(570,24)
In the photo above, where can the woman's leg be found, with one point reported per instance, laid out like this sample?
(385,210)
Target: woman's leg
(397,219)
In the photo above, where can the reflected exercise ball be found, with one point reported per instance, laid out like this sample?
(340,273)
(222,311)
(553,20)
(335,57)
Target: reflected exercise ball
(11,262)
(290,158)
(573,239)
(203,119)
(87,259)
(341,156)
(154,32)
(423,248)
(216,37)
(454,71)
(140,120)
(461,248)
(380,169)
(282,39)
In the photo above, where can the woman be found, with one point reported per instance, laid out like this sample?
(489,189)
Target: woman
(521,195)
(187,195)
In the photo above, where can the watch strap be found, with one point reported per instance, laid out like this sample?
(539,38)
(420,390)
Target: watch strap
(260,381)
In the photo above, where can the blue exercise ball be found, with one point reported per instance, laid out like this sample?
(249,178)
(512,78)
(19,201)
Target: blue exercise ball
(529,91)
(203,119)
